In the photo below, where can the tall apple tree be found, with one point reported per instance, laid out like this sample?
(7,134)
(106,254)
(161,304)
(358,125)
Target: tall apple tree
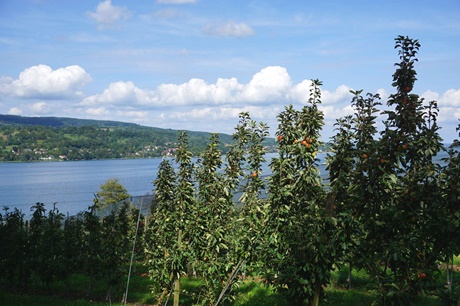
(169,247)
(303,243)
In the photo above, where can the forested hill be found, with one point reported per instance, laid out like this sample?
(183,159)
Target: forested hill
(54,138)
(57,121)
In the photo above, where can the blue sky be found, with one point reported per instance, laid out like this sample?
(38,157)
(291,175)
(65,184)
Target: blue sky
(196,64)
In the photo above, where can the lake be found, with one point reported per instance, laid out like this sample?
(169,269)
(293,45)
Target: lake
(72,184)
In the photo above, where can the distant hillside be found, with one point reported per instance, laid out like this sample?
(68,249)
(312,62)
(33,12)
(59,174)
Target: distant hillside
(54,138)
(58,121)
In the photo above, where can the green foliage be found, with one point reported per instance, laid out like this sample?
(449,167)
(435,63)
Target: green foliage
(83,142)
(50,261)
(92,244)
(415,208)
(49,250)
(390,185)
(57,121)
(115,249)
(213,239)
(72,246)
(303,242)
(111,192)
(14,241)
(171,232)
(247,157)
(244,171)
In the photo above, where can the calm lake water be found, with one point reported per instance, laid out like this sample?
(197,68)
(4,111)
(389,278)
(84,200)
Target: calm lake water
(72,184)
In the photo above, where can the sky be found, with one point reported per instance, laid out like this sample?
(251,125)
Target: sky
(196,64)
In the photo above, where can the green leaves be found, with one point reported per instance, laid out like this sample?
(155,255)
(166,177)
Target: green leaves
(388,183)
(111,192)
(168,243)
(296,249)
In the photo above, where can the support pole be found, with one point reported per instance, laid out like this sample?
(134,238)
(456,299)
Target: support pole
(132,253)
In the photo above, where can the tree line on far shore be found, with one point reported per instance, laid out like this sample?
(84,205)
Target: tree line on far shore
(39,142)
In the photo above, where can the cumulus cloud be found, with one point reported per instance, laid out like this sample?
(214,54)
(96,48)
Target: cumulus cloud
(229,29)
(448,103)
(197,91)
(450,98)
(271,85)
(15,111)
(120,93)
(107,15)
(333,112)
(43,82)
(97,111)
(221,113)
(214,106)
(340,94)
(194,104)
(137,116)
(430,95)
(39,107)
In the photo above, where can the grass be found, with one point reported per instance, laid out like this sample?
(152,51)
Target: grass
(249,292)
(457,260)
(253,293)
(17,299)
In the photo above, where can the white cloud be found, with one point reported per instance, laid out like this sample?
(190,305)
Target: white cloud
(197,91)
(39,107)
(451,98)
(197,104)
(136,116)
(332,112)
(341,94)
(383,94)
(448,103)
(221,113)
(120,93)
(107,15)
(5,80)
(97,111)
(15,111)
(43,82)
(300,92)
(270,84)
(175,1)
(229,29)
(430,95)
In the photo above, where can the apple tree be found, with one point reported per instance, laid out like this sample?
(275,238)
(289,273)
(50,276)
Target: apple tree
(303,237)
(395,192)
(248,147)
(16,268)
(212,236)
(449,228)
(341,163)
(170,235)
